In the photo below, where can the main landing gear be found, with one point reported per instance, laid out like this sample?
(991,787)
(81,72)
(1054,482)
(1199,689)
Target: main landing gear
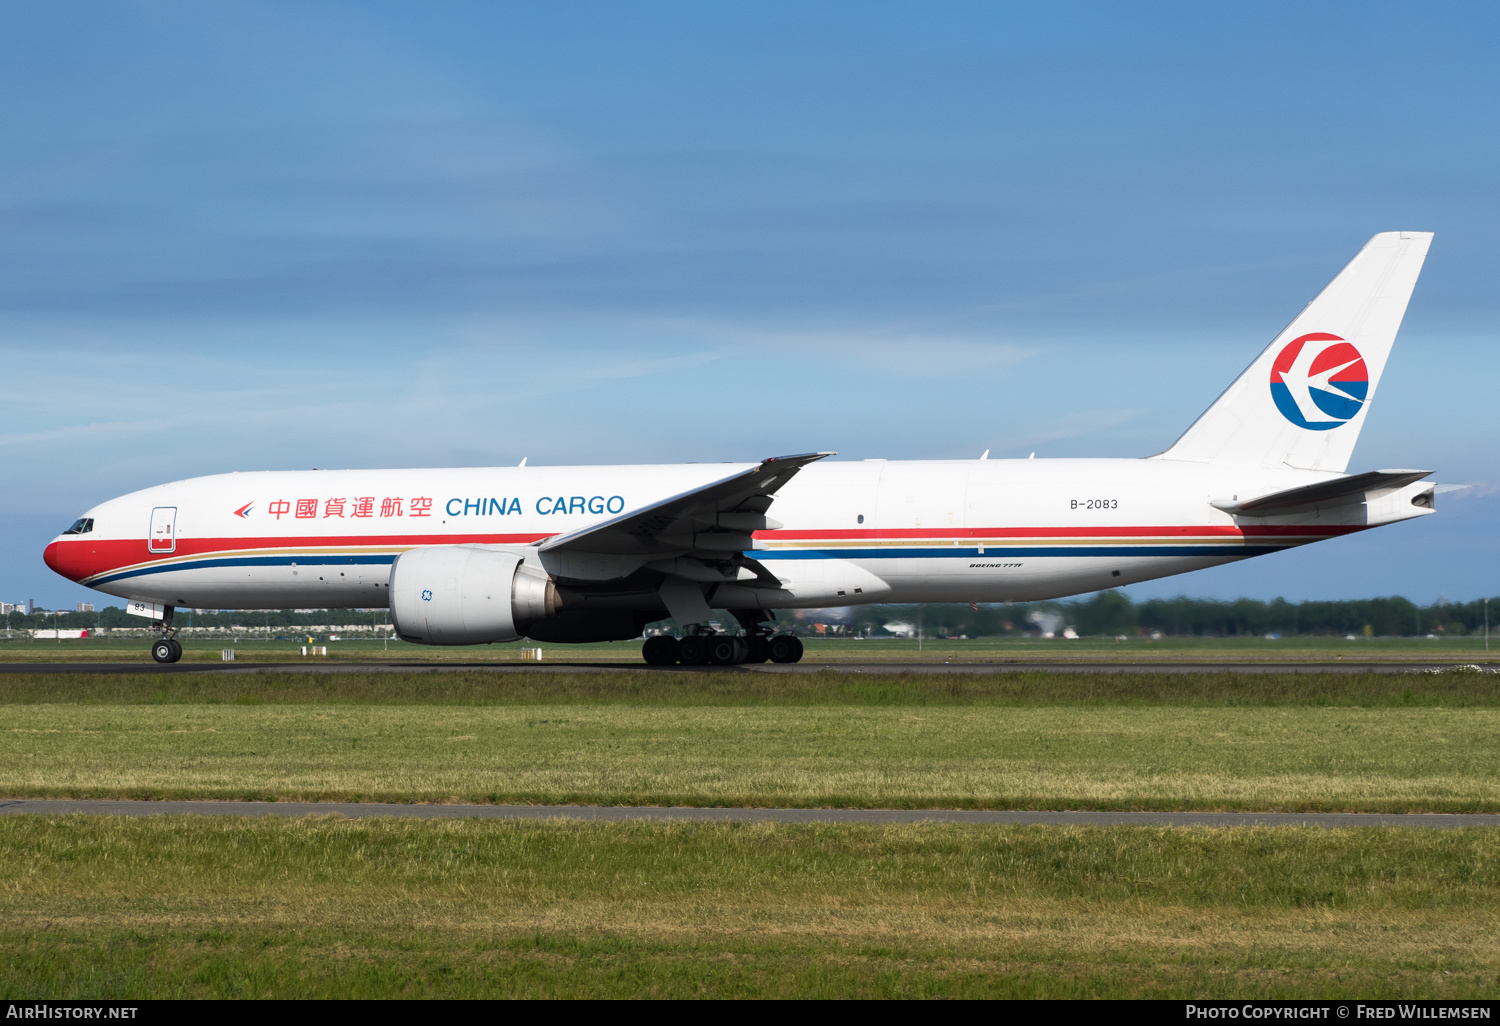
(709,648)
(166,649)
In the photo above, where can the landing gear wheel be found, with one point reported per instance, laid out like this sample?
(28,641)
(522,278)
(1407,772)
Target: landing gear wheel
(724,650)
(784,648)
(756,651)
(660,650)
(163,652)
(693,650)
(176,649)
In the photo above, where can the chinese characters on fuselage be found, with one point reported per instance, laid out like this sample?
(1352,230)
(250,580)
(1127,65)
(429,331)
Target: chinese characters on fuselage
(370,507)
(356,507)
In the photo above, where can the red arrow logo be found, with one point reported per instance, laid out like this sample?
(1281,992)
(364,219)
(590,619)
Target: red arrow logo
(244,511)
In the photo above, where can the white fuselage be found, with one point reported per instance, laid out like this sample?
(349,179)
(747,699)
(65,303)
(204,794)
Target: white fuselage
(853,532)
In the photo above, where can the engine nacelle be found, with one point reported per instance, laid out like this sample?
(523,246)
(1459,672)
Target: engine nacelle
(466,595)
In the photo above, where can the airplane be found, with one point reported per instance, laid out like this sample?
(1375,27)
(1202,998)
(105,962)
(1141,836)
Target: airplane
(595,553)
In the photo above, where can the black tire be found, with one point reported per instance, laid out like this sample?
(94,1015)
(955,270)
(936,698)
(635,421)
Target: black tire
(660,650)
(693,650)
(724,650)
(784,648)
(755,649)
(176,649)
(162,652)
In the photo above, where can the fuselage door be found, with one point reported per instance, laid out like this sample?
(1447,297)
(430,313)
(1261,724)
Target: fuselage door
(163,536)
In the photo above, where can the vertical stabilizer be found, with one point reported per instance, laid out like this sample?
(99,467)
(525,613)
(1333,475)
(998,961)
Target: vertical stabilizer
(1302,402)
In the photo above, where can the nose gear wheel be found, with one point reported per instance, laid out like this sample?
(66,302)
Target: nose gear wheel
(166,649)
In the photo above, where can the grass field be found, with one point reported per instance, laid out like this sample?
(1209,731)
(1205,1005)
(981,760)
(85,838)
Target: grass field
(1150,741)
(1315,649)
(208,907)
(196,906)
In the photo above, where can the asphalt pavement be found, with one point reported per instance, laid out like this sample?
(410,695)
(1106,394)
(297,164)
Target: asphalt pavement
(615,813)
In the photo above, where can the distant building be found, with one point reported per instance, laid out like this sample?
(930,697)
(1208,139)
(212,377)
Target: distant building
(85,607)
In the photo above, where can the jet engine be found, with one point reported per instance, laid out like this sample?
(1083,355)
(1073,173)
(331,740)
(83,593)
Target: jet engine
(467,595)
(477,594)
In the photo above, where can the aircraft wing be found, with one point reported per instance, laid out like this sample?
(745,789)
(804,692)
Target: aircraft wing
(716,519)
(1350,489)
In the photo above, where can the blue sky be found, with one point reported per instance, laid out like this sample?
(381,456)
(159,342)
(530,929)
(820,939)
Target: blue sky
(241,236)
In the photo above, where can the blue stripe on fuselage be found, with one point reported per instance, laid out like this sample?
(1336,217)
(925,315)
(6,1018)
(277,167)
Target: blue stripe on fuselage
(1014,552)
(990,552)
(203,564)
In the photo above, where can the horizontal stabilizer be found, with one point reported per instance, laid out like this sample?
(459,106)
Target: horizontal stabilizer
(1346,489)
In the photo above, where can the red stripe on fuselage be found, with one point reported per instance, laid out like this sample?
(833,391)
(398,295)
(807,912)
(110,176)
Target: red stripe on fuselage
(950,533)
(82,558)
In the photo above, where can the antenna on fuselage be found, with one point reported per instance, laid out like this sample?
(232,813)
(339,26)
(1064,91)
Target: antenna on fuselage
(522,463)
(985,455)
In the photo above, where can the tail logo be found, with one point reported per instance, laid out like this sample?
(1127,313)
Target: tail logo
(1319,381)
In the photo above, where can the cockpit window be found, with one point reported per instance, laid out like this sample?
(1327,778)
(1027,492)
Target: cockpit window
(83,525)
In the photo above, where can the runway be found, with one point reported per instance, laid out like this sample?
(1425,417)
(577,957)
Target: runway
(1113,666)
(618,813)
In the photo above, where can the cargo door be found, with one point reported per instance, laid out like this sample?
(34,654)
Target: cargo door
(923,496)
(163,536)
(921,517)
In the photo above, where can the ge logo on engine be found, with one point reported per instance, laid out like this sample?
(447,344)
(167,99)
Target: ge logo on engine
(426,596)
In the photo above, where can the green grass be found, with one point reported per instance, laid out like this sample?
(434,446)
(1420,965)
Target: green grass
(830,686)
(119,907)
(94,907)
(1096,741)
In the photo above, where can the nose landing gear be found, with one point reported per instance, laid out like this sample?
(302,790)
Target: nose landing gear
(166,649)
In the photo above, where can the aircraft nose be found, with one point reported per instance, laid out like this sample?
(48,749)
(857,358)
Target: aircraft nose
(66,560)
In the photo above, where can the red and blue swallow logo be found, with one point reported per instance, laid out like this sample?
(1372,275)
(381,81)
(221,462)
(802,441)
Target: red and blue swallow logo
(244,511)
(1319,381)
